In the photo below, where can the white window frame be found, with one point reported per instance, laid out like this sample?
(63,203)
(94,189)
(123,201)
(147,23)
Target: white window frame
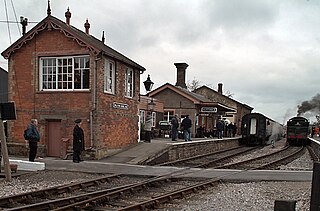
(62,77)
(129,83)
(109,76)
(154,118)
(142,116)
(168,114)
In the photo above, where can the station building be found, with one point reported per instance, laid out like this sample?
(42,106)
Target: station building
(233,117)
(204,106)
(58,73)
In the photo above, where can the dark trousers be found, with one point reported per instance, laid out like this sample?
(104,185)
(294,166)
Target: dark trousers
(187,134)
(174,133)
(219,133)
(147,136)
(33,146)
(76,156)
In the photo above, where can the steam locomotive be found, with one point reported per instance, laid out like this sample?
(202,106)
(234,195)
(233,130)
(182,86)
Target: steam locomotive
(297,131)
(257,129)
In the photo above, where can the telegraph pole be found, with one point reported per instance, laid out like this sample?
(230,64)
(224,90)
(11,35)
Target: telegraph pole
(4,150)
(7,112)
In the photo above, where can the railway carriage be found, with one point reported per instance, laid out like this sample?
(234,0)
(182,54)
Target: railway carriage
(257,129)
(297,131)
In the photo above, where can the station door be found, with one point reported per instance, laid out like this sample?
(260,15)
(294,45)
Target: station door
(54,138)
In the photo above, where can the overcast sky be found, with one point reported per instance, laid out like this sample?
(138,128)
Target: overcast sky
(266,53)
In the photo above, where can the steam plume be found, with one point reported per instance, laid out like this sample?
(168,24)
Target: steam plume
(312,105)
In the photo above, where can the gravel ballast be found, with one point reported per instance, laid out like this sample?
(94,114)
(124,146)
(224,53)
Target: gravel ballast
(227,196)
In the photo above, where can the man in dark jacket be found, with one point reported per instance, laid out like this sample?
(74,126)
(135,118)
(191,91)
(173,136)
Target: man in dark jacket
(220,127)
(186,125)
(33,137)
(174,128)
(78,141)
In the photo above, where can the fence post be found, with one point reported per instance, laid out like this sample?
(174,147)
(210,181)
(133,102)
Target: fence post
(315,191)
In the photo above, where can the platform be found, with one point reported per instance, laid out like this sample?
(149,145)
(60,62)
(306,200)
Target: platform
(124,162)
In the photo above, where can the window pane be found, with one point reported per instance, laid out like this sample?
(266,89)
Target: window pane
(77,79)
(65,73)
(129,81)
(86,79)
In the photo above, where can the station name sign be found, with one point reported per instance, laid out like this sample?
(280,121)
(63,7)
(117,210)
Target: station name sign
(209,109)
(120,106)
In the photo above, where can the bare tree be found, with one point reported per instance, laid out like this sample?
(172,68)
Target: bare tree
(194,84)
(229,94)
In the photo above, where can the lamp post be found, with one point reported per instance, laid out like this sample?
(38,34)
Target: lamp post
(148,124)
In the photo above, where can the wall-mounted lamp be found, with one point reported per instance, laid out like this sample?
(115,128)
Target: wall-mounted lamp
(148,84)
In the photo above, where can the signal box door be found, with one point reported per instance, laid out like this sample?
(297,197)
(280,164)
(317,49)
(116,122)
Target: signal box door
(54,138)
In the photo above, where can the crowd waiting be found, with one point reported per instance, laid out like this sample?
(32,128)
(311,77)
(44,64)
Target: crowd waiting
(222,129)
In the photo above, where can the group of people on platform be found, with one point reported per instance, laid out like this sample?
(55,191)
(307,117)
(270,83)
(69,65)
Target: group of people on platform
(225,129)
(185,126)
(222,129)
(32,137)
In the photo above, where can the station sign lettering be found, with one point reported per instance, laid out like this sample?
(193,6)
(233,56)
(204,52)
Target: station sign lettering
(209,109)
(120,106)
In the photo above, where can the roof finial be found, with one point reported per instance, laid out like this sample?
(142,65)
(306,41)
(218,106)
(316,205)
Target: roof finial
(103,39)
(68,16)
(49,9)
(87,26)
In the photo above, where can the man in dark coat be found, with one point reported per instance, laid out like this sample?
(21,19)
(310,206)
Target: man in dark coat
(174,128)
(78,141)
(220,127)
(186,125)
(33,137)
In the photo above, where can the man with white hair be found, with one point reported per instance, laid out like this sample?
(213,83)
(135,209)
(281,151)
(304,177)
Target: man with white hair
(33,137)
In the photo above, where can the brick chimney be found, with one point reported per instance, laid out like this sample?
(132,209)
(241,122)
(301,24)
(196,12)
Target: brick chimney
(220,88)
(68,16)
(87,27)
(181,74)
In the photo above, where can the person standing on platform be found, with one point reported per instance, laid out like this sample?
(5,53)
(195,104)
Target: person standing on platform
(186,125)
(220,127)
(174,128)
(234,129)
(148,127)
(230,129)
(78,141)
(33,137)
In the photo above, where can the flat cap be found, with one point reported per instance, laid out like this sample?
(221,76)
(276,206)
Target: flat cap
(77,121)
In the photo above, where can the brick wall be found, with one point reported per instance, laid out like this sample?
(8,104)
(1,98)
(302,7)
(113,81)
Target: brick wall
(112,128)
(194,148)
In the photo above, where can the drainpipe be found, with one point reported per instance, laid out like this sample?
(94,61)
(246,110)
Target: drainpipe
(94,100)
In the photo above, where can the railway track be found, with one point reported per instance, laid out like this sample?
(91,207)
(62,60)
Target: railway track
(268,161)
(39,196)
(136,196)
(146,193)
(210,159)
(313,155)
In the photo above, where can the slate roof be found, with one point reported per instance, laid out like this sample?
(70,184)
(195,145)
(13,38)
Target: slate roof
(196,98)
(206,87)
(90,42)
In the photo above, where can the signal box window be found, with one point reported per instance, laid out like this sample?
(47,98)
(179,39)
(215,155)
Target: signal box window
(64,73)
